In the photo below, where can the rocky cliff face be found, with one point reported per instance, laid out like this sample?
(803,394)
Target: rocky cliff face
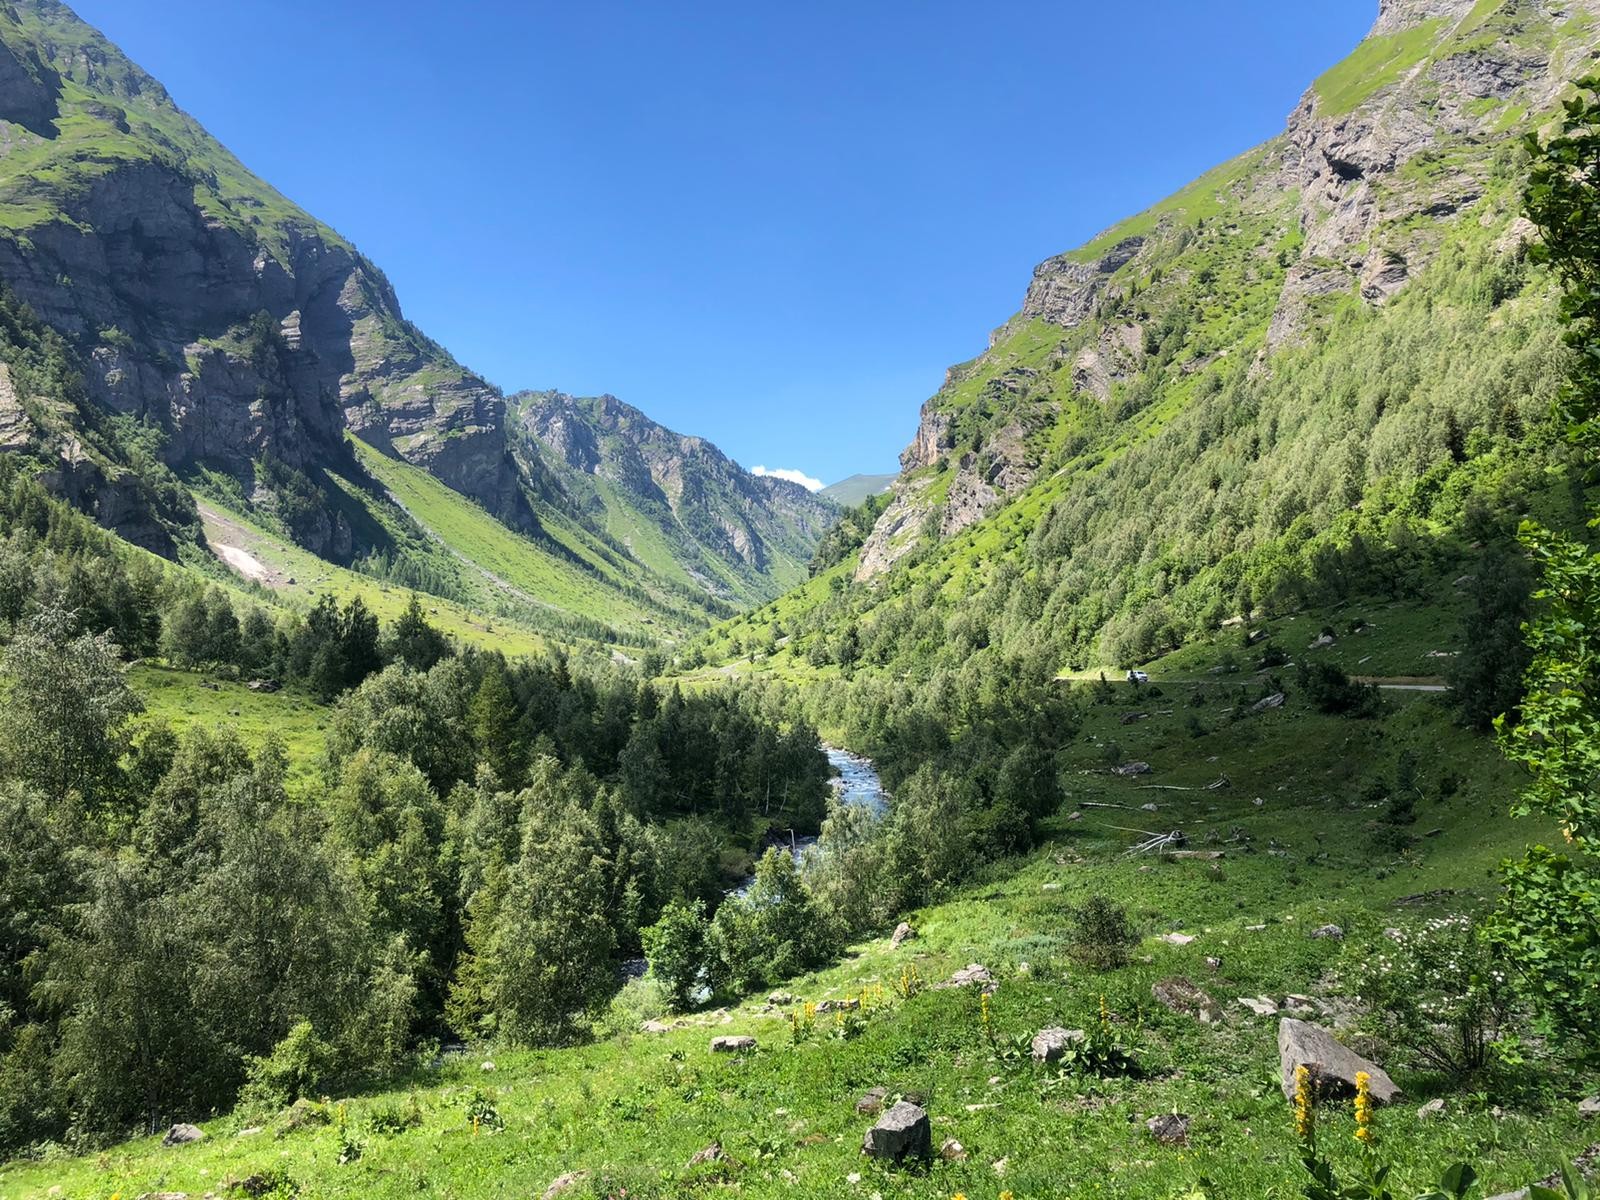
(199,298)
(611,467)
(1415,131)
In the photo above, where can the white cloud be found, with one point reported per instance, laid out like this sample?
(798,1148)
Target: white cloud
(793,476)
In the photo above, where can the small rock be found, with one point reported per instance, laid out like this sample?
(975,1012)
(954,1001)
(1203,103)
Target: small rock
(486,1067)
(999,1166)
(902,933)
(901,1133)
(1187,998)
(162,1195)
(1430,1110)
(656,1027)
(1050,1045)
(1152,807)
(952,1151)
(1262,1006)
(1050,887)
(1273,701)
(871,1102)
(562,1184)
(712,1153)
(1214,963)
(828,1006)
(1589,1107)
(1176,939)
(1129,769)
(732,1045)
(182,1135)
(1170,1129)
(250,1132)
(779,999)
(1328,931)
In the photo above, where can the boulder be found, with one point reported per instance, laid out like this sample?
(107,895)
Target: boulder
(1187,998)
(1129,769)
(871,1102)
(1273,701)
(779,999)
(735,1044)
(1170,1129)
(968,975)
(1589,1107)
(952,1151)
(1332,932)
(828,1006)
(1431,1109)
(1050,1045)
(182,1135)
(901,1133)
(902,933)
(1332,1065)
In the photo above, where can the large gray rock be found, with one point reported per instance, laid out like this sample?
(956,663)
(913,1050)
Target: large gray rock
(733,1044)
(1050,1045)
(901,1133)
(182,1135)
(1333,1065)
(902,933)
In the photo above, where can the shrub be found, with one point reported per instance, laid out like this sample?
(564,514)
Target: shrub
(295,1070)
(676,949)
(1440,993)
(1101,934)
(1330,690)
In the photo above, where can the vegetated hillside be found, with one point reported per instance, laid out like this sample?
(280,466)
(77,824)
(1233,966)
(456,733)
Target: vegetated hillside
(201,332)
(852,491)
(1323,368)
(1305,834)
(675,503)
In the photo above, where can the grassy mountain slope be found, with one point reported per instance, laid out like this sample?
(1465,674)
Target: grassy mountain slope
(852,491)
(1322,370)
(202,328)
(630,1110)
(675,503)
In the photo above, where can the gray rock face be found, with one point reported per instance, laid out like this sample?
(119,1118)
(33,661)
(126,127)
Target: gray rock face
(901,1133)
(1303,1044)
(1064,289)
(1051,1045)
(183,1135)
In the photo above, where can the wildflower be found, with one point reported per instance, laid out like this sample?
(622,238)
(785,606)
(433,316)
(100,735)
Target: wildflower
(1304,1103)
(1365,1134)
(1006,1195)
(986,1010)
(1105,1012)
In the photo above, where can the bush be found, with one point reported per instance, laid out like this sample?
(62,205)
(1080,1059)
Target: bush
(1330,690)
(676,949)
(1439,993)
(1101,934)
(295,1070)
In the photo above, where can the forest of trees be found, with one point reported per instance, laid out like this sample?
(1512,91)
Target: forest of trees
(484,842)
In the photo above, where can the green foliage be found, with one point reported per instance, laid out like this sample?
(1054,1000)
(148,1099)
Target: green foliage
(1439,993)
(1102,935)
(772,931)
(1549,922)
(676,949)
(298,1068)
(1330,690)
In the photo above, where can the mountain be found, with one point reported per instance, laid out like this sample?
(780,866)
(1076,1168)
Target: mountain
(852,491)
(1322,370)
(204,334)
(676,503)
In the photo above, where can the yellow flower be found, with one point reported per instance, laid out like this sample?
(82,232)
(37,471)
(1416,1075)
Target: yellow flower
(1105,1012)
(1304,1102)
(1365,1134)
(1006,1195)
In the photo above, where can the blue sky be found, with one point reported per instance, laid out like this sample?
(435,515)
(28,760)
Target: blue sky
(770,224)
